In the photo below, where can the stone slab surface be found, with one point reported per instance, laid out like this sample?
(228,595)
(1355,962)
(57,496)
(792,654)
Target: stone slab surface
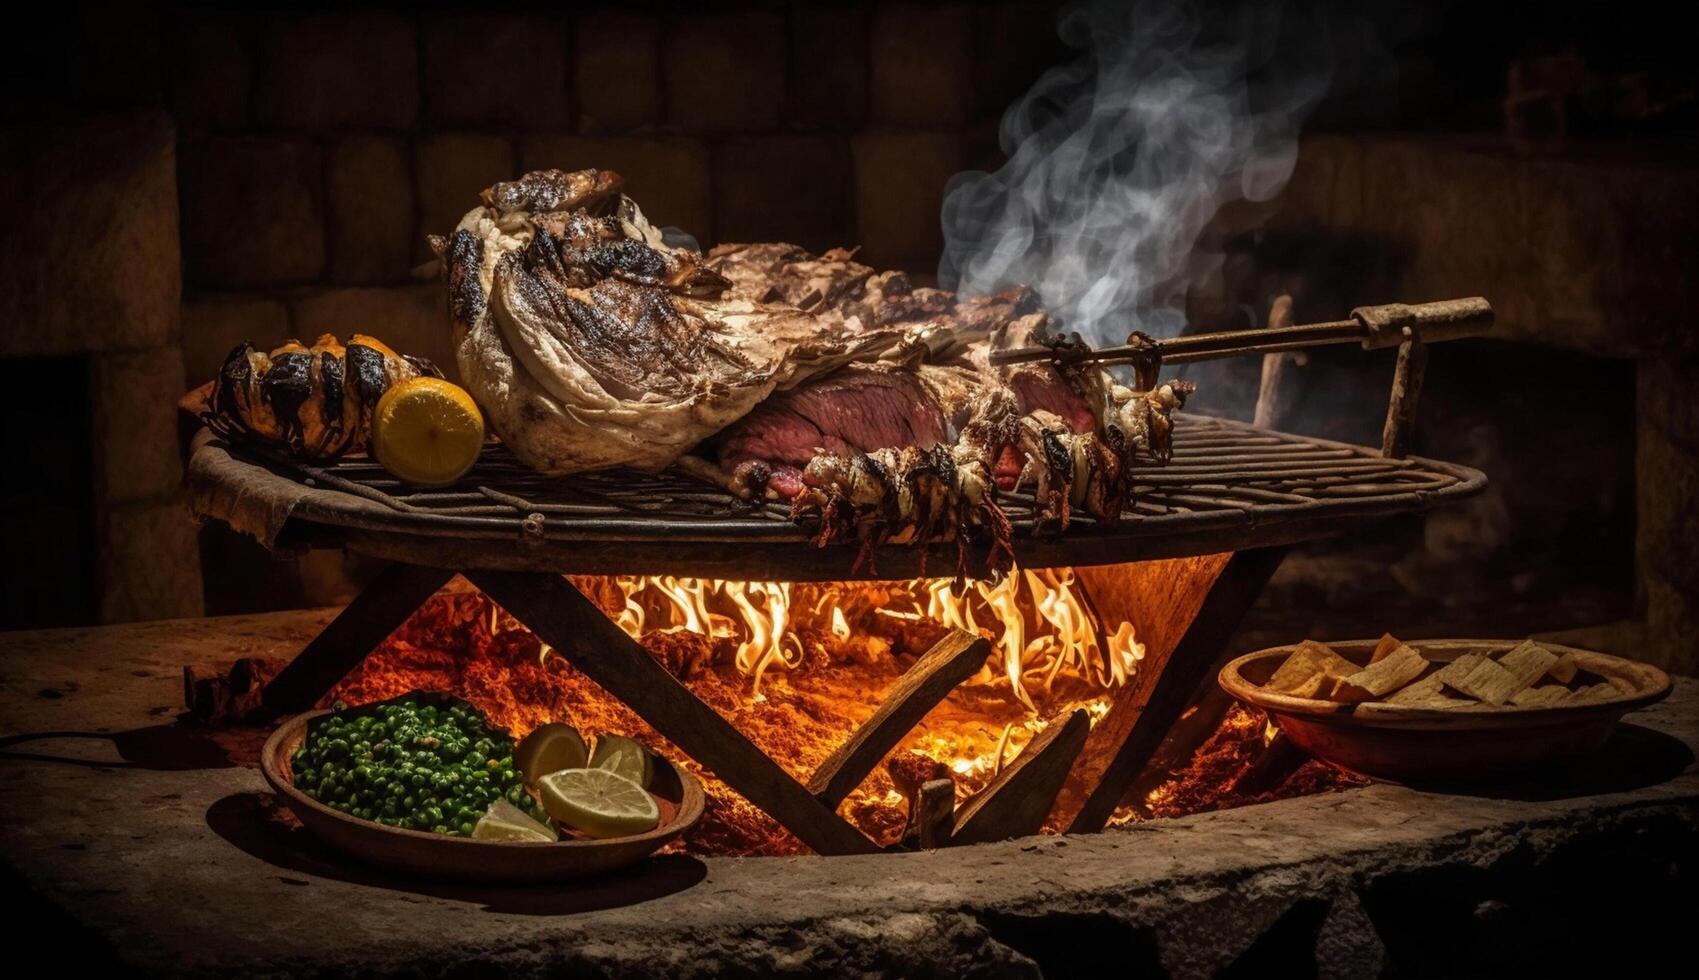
(136,836)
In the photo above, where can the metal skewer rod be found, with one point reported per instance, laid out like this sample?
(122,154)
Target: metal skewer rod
(1374,327)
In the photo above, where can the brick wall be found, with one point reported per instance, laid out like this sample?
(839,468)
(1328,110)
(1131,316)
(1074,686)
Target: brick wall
(319,150)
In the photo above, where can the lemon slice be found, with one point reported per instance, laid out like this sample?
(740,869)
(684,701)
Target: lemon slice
(598,802)
(550,748)
(504,821)
(427,431)
(616,753)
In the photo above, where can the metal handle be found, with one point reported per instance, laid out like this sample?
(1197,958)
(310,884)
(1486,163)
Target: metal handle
(1448,319)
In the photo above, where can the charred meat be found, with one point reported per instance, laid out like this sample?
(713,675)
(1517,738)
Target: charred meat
(315,401)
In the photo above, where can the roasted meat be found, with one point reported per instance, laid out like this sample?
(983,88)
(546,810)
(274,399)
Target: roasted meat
(591,343)
(868,402)
(316,401)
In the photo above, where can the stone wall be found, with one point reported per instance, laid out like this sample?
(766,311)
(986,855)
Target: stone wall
(88,267)
(1580,409)
(318,151)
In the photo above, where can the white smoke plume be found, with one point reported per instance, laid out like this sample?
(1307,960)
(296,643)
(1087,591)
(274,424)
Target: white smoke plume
(1118,161)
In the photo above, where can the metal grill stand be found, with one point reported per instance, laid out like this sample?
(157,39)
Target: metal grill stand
(1229,487)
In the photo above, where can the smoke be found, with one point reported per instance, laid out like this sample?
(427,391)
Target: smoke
(1118,161)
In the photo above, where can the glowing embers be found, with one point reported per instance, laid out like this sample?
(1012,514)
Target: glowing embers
(1041,622)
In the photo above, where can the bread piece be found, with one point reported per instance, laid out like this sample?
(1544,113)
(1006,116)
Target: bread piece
(1309,668)
(1527,663)
(1564,670)
(1453,673)
(1417,691)
(1540,696)
(1385,648)
(1488,681)
(1602,691)
(1382,677)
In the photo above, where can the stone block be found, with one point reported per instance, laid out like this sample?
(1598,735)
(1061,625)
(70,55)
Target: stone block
(89,253)
(489,68)
(782,188)
(616,65)
(150,563)
(253,211)
(1013,44)
(1587,252)
(451,170)
(921,59)
(214,325)
(1666,487)
(135,423)
(667,176)
(212,70)
(369,213)
(899,191)
(331,70)
(725,72)
(411,319)
(828,52)
(1672,626)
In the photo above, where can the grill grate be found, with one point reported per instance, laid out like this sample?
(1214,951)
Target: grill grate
(1229,485)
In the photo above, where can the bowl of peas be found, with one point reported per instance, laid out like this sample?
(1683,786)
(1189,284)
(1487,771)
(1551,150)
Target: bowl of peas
(404,784)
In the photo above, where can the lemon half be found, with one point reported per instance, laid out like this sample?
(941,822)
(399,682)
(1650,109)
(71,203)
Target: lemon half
(504,821)
(616,753)
(550,748)
(598,802)
(427,431)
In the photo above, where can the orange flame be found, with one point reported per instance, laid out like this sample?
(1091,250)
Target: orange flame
(1039,621)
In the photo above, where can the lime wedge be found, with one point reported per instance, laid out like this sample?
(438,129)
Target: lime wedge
(598,802)
(504,821)
(550,748)
(616,753)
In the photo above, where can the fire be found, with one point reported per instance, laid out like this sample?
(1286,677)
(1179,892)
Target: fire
(1041,622)
(796,667)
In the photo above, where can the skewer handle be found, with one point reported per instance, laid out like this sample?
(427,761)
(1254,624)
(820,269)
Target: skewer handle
(1448,319)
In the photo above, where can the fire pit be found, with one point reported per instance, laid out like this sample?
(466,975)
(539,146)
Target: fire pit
(1102,636)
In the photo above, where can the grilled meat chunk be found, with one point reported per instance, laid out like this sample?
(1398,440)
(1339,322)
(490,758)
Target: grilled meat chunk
(591,343)
(316,401)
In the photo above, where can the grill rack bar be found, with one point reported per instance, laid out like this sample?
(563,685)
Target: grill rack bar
(1229,486)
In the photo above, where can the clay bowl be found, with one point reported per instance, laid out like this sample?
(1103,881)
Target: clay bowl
(431,855)
(1438,746)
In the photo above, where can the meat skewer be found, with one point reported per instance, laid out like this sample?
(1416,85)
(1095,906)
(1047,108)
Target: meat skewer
(317,401)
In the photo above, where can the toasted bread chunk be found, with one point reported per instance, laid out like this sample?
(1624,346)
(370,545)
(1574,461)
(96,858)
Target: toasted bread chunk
(1527,663)
(1310,665)
(1564,670)
(1383,676)
(1488,681)
(1417,691)
(1602,691)
(1453,673)
(1540,696)
(1385,648)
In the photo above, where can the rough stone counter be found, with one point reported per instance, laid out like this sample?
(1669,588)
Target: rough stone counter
(131,841)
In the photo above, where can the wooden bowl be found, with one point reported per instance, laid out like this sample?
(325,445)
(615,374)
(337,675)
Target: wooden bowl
(1437,745)
(431,855)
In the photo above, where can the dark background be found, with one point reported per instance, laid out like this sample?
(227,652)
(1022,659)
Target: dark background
(177,179)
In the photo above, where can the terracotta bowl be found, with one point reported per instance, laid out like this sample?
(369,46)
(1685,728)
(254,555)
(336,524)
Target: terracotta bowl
(439,856)
(1436,746)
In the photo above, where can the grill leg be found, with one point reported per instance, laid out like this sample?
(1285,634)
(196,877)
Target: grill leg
(385,604)
(1232,595)
(561,617)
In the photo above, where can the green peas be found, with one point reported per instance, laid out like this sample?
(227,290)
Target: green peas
(412,765)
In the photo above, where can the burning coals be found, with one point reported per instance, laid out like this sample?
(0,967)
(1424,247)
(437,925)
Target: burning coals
(794,666)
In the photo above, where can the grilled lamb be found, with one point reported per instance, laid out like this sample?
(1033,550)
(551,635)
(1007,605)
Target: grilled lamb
(868,402)
(592,343)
